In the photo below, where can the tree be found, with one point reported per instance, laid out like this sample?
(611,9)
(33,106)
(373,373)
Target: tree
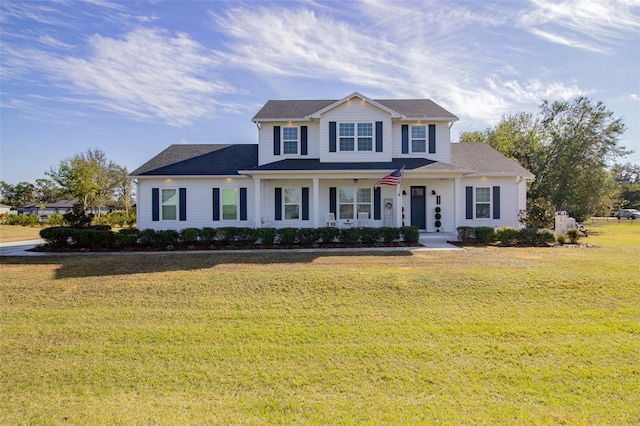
(17,195)
(627,177)
(567,145)
(86,176)
(47,191)
(123,188)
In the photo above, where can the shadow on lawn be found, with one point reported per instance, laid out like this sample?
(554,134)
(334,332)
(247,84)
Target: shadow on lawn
(70,266)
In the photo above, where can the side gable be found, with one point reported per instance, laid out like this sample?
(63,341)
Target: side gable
(485,161)
(394,114)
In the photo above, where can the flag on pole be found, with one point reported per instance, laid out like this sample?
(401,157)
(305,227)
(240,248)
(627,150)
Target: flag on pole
(392,179)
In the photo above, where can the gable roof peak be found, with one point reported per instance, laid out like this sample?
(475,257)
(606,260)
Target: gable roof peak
(394,114)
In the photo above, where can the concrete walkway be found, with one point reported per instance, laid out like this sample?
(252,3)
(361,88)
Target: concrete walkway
(430,242)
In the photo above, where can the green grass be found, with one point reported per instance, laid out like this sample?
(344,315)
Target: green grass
(480,336)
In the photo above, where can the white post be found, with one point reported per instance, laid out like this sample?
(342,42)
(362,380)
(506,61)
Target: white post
(258,203)
(316,202)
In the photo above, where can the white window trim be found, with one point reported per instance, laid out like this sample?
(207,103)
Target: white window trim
(285,204)
(236,203)
(176,205)
(356,136)
(355,202)
(426,139)
(290,140)
(476,202)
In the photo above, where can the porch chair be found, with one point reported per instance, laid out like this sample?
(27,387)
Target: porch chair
(330,219)
(363,219)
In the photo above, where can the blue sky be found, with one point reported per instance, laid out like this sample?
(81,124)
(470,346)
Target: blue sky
(133,77)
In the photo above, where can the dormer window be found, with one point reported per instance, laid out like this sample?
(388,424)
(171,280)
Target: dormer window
(290,140)
(355,136)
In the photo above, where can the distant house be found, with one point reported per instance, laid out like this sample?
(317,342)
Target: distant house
(319,162)
(4,209)
(57,207)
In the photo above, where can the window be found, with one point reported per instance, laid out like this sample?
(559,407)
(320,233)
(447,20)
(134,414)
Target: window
(350,133)
(483,203)
(353,201)
(229,197)
(169,204)
(418,138)
(290,140)
(291,203)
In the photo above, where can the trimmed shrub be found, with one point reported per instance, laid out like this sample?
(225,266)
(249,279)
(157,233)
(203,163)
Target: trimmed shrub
(507,236)
(246,235)
(328,234)
(127,237)
(573,235)
(267,236)
(466,234)
(536,237)
(166,238)
(349,236)
(56,236)
(207,235)
(438,224)
(389,234)
(485,234)
(55,220)
(147,237)
(369,235)
(438,209)
(226,235)
(545,237)
(23,220)
(410,234)
(438,216)
(189,235)
(307,236)
(561,239)
(287,236)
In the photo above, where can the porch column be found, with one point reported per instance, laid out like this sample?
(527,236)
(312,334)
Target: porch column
(457,216)
(399,204)
(258,203)
(316,203)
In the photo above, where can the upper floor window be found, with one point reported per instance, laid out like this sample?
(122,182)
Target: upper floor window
(290,140)
(229,203)
(355,136)
(483,203)
(169,204)
(418,138)
(353,201)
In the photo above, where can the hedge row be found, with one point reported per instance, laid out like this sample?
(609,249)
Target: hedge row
(112,219)
(98,239)
(506,236)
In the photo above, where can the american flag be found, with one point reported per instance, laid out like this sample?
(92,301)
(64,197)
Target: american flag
(393,179)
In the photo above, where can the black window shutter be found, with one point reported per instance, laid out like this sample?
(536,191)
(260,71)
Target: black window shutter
(496,202)
(469,202)
(303,140)
(377,204)
(405,138)
(305,203)
(155,204)
(333,201)
(332,136)
(182,199)
(278,203)
(216,203)
(378,136)
(432,138)
(243,203)
(276,140)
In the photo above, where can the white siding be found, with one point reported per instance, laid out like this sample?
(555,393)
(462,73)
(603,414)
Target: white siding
(265,142)
(443,142)
(199,202)
(511,198)
(355,111)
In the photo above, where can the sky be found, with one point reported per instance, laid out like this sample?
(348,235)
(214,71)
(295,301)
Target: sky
(133,77)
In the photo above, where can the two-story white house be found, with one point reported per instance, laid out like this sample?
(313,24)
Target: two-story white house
(317,163)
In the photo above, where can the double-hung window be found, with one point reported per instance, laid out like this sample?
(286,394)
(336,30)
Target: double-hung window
(355,136)
(418,138)
(483,203)
(169,204)
(229,198)
(352,201)
(290,140)
(292,203)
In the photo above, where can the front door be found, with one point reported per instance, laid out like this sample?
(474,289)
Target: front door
(418,207)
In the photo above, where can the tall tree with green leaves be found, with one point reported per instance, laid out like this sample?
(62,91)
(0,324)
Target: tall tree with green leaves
(567,145)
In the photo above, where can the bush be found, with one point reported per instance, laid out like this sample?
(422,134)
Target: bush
(507,236)
(147,237)
(246,235)
(287,235)
(189,235)
(56,236)
(438,224)
(410,234)
(438,209)
(128,237)
(78,218)
(23,220)
(389,235)
(227,235)
(328,234)
(267,235)
(166,238)
(349,236)
(55,220)
(561,239)
(438,216)
(307,236)
(573,235)
(466,234)
(369,235)
(207,235)
(485,234)
(536,237)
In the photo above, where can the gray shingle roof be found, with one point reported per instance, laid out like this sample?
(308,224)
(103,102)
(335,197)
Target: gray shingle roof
(200,160)
(300,109)
(483,159)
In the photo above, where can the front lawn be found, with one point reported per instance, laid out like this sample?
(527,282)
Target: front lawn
(10,233)
(480,336)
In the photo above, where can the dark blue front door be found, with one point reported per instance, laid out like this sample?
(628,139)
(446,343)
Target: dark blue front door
(418,207)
